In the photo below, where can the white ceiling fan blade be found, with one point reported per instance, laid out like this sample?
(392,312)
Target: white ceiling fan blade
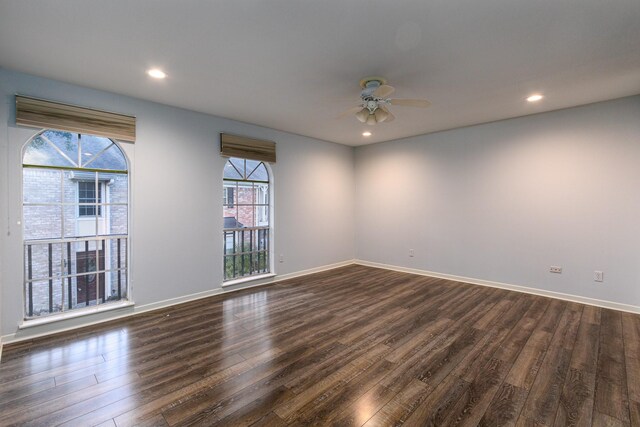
(421,103)
(383,91)
(349,112)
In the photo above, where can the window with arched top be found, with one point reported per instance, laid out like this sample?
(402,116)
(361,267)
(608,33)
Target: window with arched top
(75,222)
(246,213)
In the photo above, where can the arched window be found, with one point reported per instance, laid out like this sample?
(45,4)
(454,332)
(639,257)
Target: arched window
(75,222)
(247,230)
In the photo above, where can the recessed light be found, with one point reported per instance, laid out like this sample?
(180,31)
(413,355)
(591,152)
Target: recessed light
(88,154)
(156,73)
(367,133)
(535,97)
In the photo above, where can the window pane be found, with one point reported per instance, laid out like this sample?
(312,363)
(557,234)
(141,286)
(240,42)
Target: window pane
(117,187)
(261,214)
(41,152)
(79,251)
(41,185)
(229,242)
(257,172)
(43,261)
(230,172)
(239,164)
(91,145)
(112,159)
(230,210)
(232,222)
(70,213)
(114,290)
(228,267)
(90,264)
(81,221)
(265,262)
(246,215)
(117,220)
(263,239)
(67,142)
(243,194)
(69,285)
(116,260)
(263,194)
(42,222)
(46,297)
(241,265)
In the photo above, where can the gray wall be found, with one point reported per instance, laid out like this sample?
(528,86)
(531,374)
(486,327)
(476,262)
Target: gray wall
(176,199)
(499,202)
(504,201)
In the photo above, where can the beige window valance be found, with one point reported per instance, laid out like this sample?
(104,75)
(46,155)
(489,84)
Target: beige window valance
(55,115)
(247,148)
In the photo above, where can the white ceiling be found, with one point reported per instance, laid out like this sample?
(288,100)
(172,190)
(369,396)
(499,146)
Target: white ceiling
(295,65)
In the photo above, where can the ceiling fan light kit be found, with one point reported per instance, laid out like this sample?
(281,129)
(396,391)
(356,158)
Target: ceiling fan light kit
(381,115)
(374,98)
(362,115)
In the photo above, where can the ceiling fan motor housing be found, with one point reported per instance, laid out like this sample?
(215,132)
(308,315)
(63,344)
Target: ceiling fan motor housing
(371,112)
(369,85)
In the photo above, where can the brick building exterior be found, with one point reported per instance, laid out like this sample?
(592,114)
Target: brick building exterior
(247,203)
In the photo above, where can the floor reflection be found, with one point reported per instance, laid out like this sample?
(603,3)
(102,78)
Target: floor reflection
(246,317)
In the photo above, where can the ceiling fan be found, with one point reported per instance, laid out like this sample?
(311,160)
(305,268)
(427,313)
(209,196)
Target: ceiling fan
(374,97)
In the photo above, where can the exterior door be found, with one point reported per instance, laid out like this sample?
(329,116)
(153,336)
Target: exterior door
(86,285)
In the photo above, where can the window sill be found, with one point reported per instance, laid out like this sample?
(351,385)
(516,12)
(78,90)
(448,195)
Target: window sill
(247,279)
(74,314)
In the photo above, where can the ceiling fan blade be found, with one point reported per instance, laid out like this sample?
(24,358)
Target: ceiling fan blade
(349,112)
(422,103)
(383,91)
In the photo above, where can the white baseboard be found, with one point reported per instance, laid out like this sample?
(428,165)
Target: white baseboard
(517,288)
(106,316)
(62,326)
(315,270)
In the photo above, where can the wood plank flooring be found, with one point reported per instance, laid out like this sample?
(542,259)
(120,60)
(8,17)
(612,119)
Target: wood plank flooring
(354,346)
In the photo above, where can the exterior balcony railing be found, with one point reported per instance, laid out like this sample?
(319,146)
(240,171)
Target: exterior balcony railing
(68,274)
(246,251)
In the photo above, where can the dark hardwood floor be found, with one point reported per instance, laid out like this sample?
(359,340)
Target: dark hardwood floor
(350,346)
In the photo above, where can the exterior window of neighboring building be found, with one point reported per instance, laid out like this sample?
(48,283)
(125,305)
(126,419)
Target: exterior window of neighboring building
(87,200)
(75,219)
(246,209)
(228,196)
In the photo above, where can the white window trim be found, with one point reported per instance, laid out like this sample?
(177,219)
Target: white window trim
(72,314)
(270,225)
(246,279)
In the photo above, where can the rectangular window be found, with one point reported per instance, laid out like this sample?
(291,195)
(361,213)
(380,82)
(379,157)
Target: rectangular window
(87,194)
(228,196)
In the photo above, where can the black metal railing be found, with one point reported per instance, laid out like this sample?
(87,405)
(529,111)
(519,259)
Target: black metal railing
(246,251)
(93,269)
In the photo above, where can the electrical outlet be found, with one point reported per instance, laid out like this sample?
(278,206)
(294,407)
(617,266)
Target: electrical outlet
(411,253)
(555,269)
(598,276)
(281,258)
